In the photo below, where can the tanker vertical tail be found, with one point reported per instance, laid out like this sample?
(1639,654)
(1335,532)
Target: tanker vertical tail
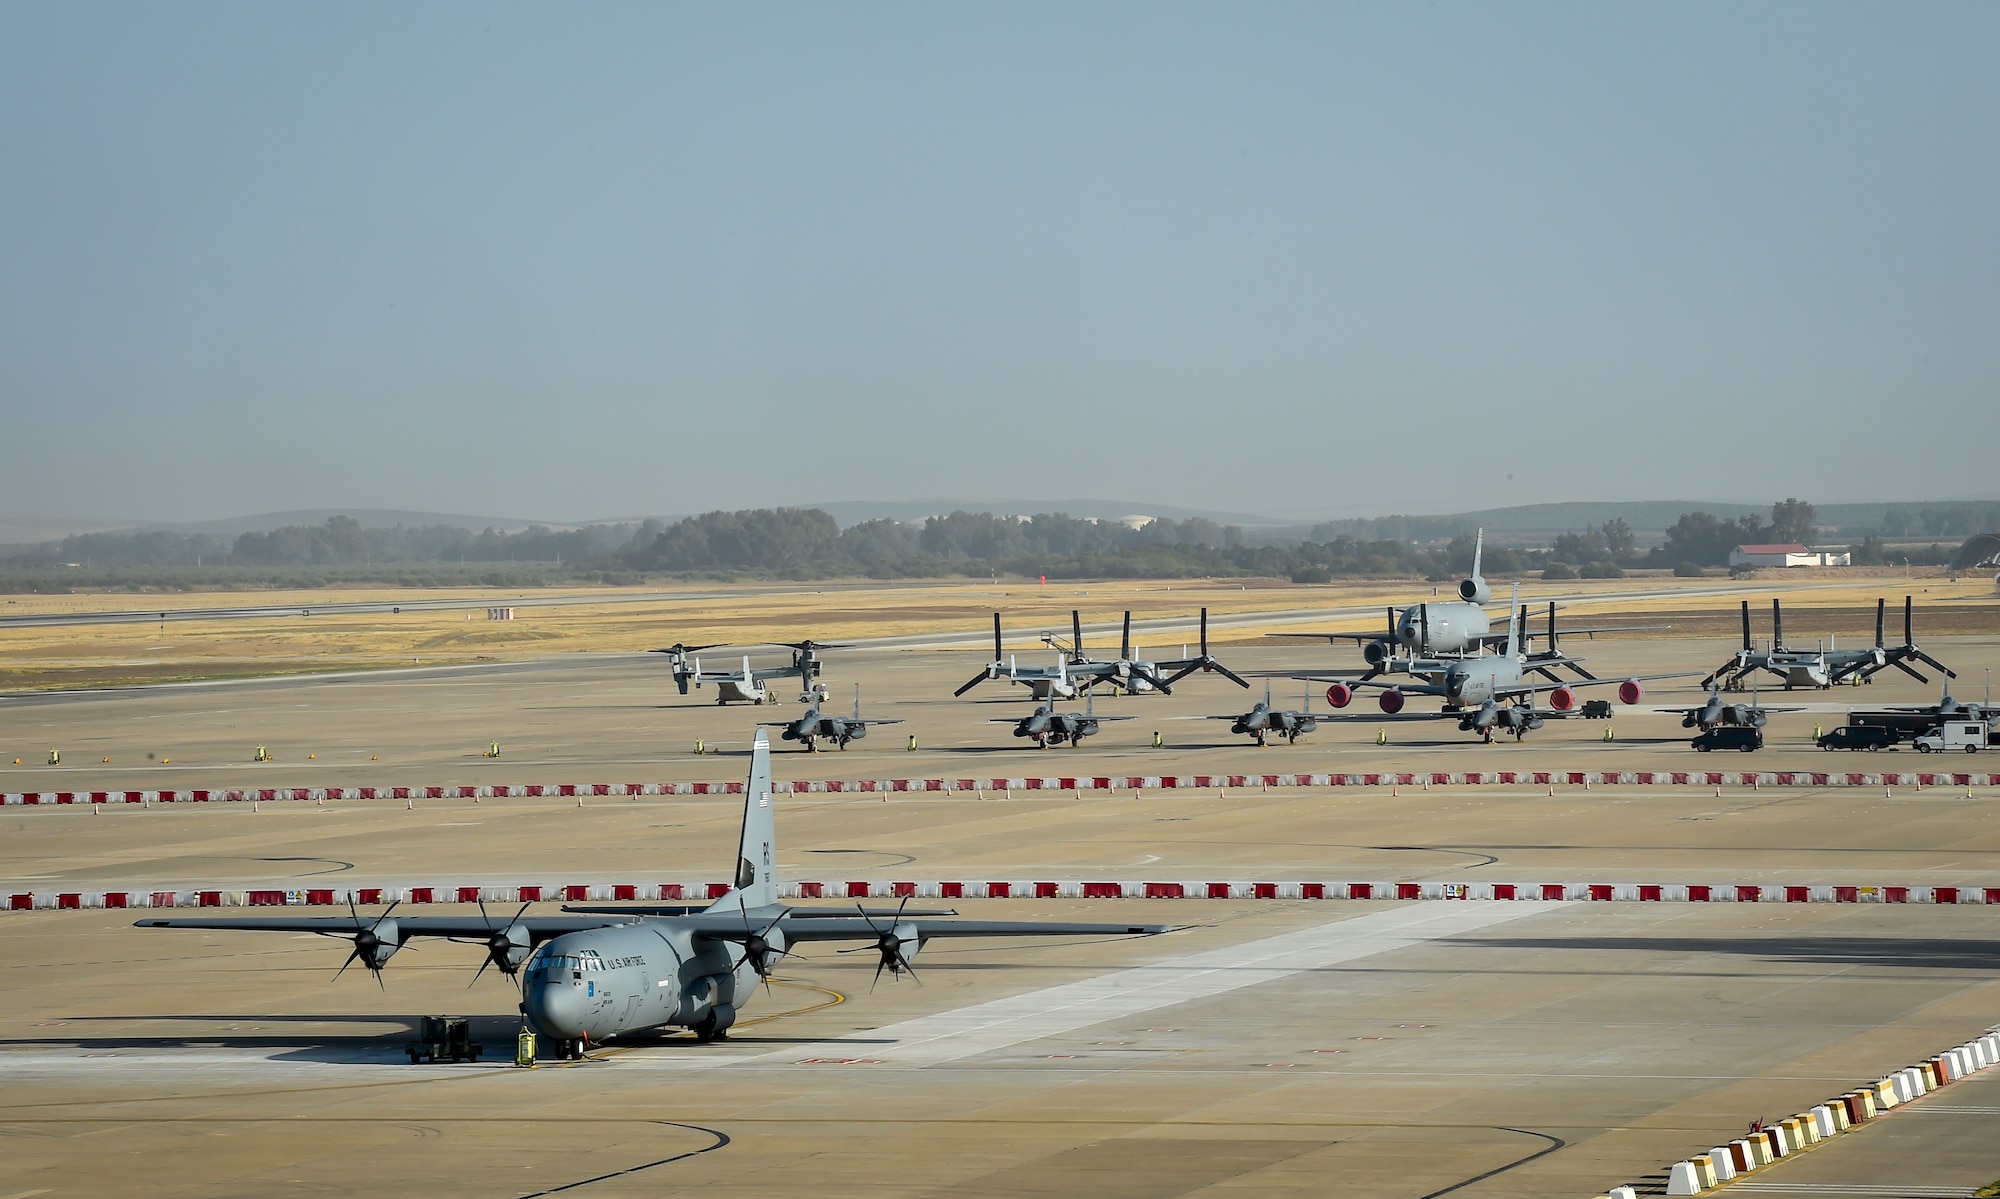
(756,884)
(1473,589)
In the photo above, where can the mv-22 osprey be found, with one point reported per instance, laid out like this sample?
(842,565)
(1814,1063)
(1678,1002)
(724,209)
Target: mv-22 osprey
(1485,693)
(1075,671)
(595,974)
(1825,665)
(748,685)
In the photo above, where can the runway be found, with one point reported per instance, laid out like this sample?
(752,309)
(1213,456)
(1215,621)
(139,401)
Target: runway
(1275,1046)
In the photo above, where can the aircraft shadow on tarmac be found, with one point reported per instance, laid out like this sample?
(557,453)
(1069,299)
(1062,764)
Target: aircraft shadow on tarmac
(301,1044)
(495,1033)
(1917,953)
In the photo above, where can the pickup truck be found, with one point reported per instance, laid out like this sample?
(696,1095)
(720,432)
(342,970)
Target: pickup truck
(1967,735)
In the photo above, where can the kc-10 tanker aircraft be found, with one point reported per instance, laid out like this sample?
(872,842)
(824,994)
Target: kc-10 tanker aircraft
(1486,693)
(594,974)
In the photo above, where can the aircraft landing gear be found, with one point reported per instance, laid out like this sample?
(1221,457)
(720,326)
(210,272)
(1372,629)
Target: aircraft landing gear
(568,1050)
(705,1030)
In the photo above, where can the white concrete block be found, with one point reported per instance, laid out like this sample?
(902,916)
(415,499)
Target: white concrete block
(1725,1163)
(1624,1192)
(1681,1179)
(1823,1120)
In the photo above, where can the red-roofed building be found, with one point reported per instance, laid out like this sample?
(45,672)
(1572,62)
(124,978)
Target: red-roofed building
(1786,555)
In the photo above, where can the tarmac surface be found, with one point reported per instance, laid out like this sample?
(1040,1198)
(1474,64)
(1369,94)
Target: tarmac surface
(1269,1047)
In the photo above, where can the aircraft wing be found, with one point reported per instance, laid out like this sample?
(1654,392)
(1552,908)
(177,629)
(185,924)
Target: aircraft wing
(1513,690)
(468,927)
(1405,688)
(1378,635)
(729,926)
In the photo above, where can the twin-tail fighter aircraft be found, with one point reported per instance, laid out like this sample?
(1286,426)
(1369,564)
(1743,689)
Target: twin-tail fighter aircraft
(1825,665)
(811,726)
(1490,692)
(595,974)
(1263,721)
(1049,727)
(1715,713)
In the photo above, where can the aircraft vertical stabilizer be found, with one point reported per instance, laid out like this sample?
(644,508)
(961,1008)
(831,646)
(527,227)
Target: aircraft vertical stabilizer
(756,884)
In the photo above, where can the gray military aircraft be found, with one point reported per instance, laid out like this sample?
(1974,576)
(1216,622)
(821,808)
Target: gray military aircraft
(1487,693)
(1429,630)
(1049,727)
(1715,713)
(1127,672)
(748,686)
(811,726)
(1043,682)
(592,975)
(1262,721)
(1825,665)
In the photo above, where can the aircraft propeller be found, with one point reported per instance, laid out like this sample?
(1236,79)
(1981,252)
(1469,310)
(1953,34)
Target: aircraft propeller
(889,945)
(758,948)
(678,648)
(367,942)
(1207,662)
(500,945)
(992,669)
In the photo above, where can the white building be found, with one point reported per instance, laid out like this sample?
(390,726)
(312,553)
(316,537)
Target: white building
(1786,555)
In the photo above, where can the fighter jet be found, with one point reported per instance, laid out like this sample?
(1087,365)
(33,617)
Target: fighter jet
(1826,665)
(811,726)
(592,975)
(1717,713)
(1261,721)
(1049,727)
(747,686)
(1487,693)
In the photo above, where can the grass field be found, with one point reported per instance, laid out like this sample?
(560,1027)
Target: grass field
(127,654)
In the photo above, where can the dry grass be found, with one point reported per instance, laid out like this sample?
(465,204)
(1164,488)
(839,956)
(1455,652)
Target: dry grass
(104,655)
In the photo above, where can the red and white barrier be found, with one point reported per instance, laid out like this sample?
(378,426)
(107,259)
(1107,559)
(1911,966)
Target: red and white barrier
(1065,783)
(702,891)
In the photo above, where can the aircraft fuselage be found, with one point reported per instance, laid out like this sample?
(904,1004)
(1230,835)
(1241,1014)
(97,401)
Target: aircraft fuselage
(596,985)
(1454,628)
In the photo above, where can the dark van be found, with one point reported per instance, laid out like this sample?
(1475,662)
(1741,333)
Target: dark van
(1858,736)
(1730,737)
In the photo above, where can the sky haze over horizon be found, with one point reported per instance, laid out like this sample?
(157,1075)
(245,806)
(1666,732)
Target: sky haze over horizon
(1305,260)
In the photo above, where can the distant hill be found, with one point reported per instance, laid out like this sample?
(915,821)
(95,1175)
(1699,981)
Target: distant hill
(854,512)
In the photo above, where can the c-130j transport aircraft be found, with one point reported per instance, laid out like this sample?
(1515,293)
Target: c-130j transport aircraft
(594,974)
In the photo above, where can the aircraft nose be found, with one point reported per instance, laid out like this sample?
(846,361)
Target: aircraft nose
(554,1008)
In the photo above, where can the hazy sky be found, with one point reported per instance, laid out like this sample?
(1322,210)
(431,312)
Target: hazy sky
(583,261)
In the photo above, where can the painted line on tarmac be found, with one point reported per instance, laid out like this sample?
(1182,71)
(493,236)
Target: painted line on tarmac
(1001,1023)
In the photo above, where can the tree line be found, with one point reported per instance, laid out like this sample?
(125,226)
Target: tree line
(808,544)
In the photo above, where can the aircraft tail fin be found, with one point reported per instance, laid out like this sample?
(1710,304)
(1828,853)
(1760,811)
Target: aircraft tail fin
(1478,550)
(857,701)
(1514,624)
(756,853)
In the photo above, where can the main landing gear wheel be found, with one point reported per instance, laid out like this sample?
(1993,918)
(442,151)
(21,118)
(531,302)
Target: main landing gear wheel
(705,1030)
